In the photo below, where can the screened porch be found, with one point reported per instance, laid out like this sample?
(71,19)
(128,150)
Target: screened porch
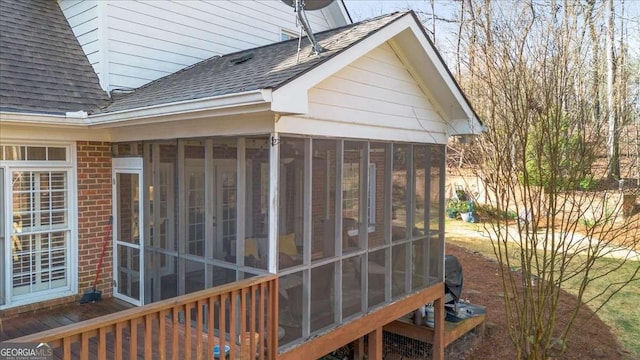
(349,225)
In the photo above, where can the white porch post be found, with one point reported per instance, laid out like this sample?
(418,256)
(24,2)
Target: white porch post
(241,200)
(274,177)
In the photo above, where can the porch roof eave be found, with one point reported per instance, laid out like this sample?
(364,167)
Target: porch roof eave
(222,105)
(39,118)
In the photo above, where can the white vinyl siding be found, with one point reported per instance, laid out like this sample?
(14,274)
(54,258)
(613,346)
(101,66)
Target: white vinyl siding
(378,91)
(146,40)
(83,17)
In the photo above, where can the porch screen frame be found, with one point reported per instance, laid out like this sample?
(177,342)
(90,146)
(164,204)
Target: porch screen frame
(405,282)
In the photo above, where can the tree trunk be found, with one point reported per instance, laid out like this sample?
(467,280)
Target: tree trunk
(613,151)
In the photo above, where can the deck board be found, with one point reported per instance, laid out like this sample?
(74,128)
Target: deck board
(41,320)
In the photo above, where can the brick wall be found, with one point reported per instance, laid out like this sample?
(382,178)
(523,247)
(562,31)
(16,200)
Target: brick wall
(94,209)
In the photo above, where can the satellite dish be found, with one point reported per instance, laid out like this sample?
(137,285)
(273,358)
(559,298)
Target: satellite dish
(300,7)
(309,4)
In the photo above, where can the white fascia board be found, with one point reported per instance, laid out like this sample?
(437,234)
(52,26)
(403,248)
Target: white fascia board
(54,128)
(433,90)
(225,104)
(464,127)
(444,73)
(70,119)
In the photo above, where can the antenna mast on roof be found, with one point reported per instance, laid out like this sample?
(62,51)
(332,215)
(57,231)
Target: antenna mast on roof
(300,6)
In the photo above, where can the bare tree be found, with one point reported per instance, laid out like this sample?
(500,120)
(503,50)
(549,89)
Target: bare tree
(533,62)
(613,147)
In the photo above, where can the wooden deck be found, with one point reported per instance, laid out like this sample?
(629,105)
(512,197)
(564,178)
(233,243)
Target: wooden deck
(46,319)
(452,331)
(112,329)
(242,315)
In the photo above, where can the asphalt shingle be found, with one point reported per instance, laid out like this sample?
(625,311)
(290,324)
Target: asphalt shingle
(42,66)
(264,67)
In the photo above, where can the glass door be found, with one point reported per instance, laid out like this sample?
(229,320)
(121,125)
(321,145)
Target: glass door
(127,234)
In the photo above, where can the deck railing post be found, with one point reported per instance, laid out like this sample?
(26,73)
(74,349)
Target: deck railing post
(375,344)
(273,294)
(438,327)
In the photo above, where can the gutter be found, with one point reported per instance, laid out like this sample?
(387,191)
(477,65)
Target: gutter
(77,118)
(253,97)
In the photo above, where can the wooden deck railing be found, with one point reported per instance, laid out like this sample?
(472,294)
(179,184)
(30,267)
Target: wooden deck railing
(184,327)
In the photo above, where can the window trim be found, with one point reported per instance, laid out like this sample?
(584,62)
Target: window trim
(290,35)
(69,166)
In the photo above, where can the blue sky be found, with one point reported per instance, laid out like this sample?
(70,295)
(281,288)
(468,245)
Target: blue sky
(362,9)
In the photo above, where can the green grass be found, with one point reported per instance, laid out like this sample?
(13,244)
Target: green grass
(621,313)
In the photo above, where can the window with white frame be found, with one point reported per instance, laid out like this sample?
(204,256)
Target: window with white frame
(37,187)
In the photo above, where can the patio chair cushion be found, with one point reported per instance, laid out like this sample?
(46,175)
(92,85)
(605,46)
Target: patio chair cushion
(251,248)
(288,245)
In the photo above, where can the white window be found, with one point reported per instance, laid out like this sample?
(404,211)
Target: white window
(38,222)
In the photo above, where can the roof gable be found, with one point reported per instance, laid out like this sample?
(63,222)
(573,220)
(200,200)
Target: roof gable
(418,54)
(42,66)
(281,76)
(377,90)
(265,67)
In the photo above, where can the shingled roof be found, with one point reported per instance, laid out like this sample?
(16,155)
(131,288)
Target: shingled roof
(42,66)
(266,67)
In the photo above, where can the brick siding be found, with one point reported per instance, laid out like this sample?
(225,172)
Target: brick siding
(94,209)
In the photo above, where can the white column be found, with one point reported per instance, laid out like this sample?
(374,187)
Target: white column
(274,176)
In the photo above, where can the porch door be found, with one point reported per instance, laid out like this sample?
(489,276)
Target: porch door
(207,196)
(127,234)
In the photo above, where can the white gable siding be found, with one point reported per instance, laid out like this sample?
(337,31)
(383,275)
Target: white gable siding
(374,97)
(146,40)
(83,18)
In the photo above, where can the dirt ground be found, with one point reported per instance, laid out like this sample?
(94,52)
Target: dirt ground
(590,339)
